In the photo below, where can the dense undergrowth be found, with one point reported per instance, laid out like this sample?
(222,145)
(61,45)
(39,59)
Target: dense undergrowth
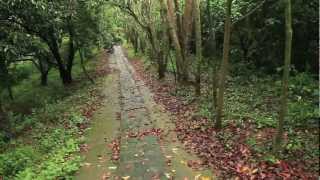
(244,147)
(46,124)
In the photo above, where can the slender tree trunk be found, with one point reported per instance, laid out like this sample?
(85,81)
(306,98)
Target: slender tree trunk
(286,73)
(3,118)
(198,45)
(224,65)
(44,78)
(171,18)
(161,68)
(178,18)
(186,33)
(214,89)
(84,67)
(44,71)
(165,42)
(10,92)
(136,44)
(72,50)
(5,77)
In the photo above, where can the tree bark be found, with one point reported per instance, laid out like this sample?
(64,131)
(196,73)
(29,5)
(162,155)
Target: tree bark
(10,92)
(178,19)
(3,118)
(189,9)
(84,67)
(5,77)
(72,50)
(171,18)
(53,45)
(44,78)
(224,65)
(198,45)
(44,71)
(286,72)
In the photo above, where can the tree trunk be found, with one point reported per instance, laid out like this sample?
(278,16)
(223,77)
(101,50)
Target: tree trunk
(72,50)
(10,92)
(178,19)
(286,72)
(161,70)
(5,77)
(198,45)
(3,118)
(54,48)
(184,36)
(171,18)
(214,89)
(44,71)
(224,65)
(164,41)
(44,78)
(84,67)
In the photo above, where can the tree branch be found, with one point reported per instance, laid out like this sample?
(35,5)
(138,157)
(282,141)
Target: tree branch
(249,13)
(129,11)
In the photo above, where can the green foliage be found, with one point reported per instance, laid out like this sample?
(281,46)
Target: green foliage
(44,137)
(14,161)
(255,99)
(19,122)
(55,138)
(271,159)
(53,148)
(22,71)
(60,163)
(304,100)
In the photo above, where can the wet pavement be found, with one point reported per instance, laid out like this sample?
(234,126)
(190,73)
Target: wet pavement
(149,148)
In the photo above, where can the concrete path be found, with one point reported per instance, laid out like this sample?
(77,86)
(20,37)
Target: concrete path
(143,154)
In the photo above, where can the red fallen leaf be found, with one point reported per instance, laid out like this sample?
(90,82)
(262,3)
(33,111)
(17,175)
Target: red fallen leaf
(194,164)
(115,147)
(285,175)
(284,166)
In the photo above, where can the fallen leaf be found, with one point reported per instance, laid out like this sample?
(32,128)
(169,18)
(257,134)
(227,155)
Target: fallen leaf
(167,175)
(106,176)
(205,178)
(197,177)
(126,177)
(175,150)
(183,162)
(87,164)
(112,167)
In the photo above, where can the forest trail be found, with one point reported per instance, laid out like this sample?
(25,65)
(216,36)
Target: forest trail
(145,135)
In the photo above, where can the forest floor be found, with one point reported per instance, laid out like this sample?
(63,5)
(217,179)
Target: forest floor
(241,150)
(133,137)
